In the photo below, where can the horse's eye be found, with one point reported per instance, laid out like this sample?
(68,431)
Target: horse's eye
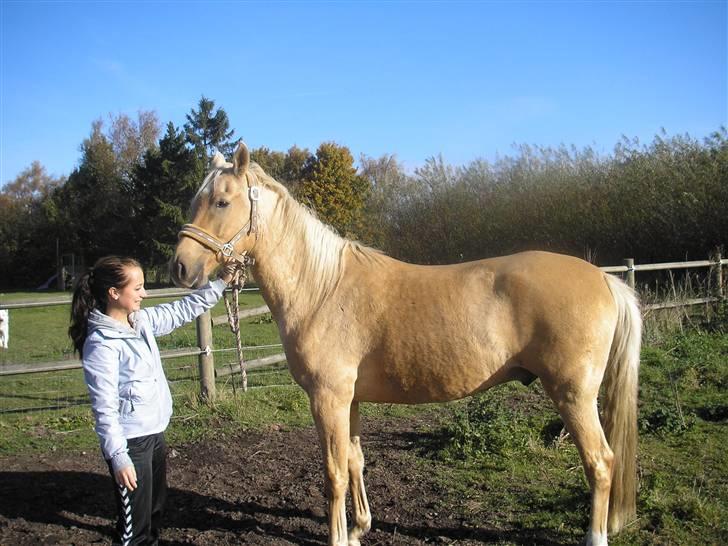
(221,204)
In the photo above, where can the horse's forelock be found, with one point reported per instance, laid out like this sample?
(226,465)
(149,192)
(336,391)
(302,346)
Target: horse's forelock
(205,186)
(209,182)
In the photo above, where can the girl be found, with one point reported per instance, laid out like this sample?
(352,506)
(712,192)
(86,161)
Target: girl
(129,394)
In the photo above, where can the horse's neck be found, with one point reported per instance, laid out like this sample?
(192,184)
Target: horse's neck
(298,263)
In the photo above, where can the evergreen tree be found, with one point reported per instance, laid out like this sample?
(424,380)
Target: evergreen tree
(163,187)
(207,131)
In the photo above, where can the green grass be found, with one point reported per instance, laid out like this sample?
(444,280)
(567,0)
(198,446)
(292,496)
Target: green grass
(501,457)
(505,453)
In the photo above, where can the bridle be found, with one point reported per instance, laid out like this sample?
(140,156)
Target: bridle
(226,251)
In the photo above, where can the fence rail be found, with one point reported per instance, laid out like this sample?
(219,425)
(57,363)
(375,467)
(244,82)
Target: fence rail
(204,350)
(61,365)
(66,300)
(663,266)
(629,268)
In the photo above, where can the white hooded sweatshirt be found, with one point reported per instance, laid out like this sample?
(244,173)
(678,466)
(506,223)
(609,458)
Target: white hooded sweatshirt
(129,393)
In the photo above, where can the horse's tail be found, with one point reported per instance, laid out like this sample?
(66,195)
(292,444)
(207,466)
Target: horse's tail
(620,404)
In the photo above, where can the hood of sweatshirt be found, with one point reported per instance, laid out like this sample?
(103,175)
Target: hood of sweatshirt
(109,327)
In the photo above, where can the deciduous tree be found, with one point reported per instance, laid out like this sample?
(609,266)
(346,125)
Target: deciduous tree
(332,187)
(130,139)
(26,238)
(271,162)
(94,207)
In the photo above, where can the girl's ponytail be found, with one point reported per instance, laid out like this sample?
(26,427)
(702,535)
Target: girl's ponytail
(81,305)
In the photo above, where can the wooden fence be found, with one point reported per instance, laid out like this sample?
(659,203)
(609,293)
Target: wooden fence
(205,352)
(716,263)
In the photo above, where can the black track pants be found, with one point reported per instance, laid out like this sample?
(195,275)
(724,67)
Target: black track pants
(140,511)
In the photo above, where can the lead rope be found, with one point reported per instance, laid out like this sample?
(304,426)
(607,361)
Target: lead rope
(239,278)
(233,312)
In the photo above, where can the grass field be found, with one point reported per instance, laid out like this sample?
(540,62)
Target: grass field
(500,451)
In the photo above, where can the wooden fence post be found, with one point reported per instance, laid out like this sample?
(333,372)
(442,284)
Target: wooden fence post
(717,270)
(205,360)
(629,263)
(60,280)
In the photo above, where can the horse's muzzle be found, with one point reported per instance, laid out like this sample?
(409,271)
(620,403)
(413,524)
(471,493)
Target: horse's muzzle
(184,276)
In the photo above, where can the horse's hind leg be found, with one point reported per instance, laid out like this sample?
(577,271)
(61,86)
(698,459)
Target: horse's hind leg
(361,514)
(331,415)
(579,411)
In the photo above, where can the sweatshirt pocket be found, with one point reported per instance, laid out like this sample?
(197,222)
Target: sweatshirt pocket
(136,397)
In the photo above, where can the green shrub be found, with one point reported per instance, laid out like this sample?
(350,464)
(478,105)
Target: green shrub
(484,427)
(665,421)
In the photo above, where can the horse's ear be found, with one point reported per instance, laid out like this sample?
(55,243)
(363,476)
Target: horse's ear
(218,161)
(241,160)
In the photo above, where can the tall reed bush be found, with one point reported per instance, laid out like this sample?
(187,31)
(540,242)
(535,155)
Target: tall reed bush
(667,200)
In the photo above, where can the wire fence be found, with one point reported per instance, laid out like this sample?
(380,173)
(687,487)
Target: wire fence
(59,389)
(52,385)
(42,385)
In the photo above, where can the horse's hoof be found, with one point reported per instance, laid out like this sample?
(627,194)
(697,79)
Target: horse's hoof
(595,539)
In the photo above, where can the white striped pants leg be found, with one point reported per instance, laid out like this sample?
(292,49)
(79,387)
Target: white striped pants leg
(139,512)
(124,525)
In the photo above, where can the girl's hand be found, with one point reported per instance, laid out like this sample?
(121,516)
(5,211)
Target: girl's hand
(228,271)
(127,477)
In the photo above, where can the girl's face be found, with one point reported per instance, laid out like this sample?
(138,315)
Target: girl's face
(128,298)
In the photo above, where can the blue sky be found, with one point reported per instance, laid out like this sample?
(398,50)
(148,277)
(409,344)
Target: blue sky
(466,80)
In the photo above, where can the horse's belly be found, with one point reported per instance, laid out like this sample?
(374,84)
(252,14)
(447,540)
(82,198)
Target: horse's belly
(425,378)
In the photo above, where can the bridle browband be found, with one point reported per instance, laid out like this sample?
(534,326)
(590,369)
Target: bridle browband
(226,251)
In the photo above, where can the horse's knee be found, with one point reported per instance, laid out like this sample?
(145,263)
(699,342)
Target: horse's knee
(335,482)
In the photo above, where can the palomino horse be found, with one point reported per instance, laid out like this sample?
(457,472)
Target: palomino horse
(359,326)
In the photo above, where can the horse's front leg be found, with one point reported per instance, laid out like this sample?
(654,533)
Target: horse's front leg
(330,412)
(361,514)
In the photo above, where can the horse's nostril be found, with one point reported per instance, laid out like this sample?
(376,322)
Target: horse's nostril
(181,270)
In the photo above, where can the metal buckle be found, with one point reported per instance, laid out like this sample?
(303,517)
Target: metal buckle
(227,250)
(254,193)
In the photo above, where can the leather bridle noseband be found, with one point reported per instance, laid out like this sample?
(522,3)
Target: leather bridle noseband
(226,251)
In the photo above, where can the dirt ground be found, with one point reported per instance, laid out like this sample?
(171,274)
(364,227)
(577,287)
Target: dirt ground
(256,488)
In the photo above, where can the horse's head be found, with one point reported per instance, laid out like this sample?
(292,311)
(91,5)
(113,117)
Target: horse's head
(224,220)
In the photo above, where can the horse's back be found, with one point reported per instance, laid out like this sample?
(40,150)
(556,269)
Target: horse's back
(530,288)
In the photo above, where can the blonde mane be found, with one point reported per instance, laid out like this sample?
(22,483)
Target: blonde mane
(318,250)
(322,262)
